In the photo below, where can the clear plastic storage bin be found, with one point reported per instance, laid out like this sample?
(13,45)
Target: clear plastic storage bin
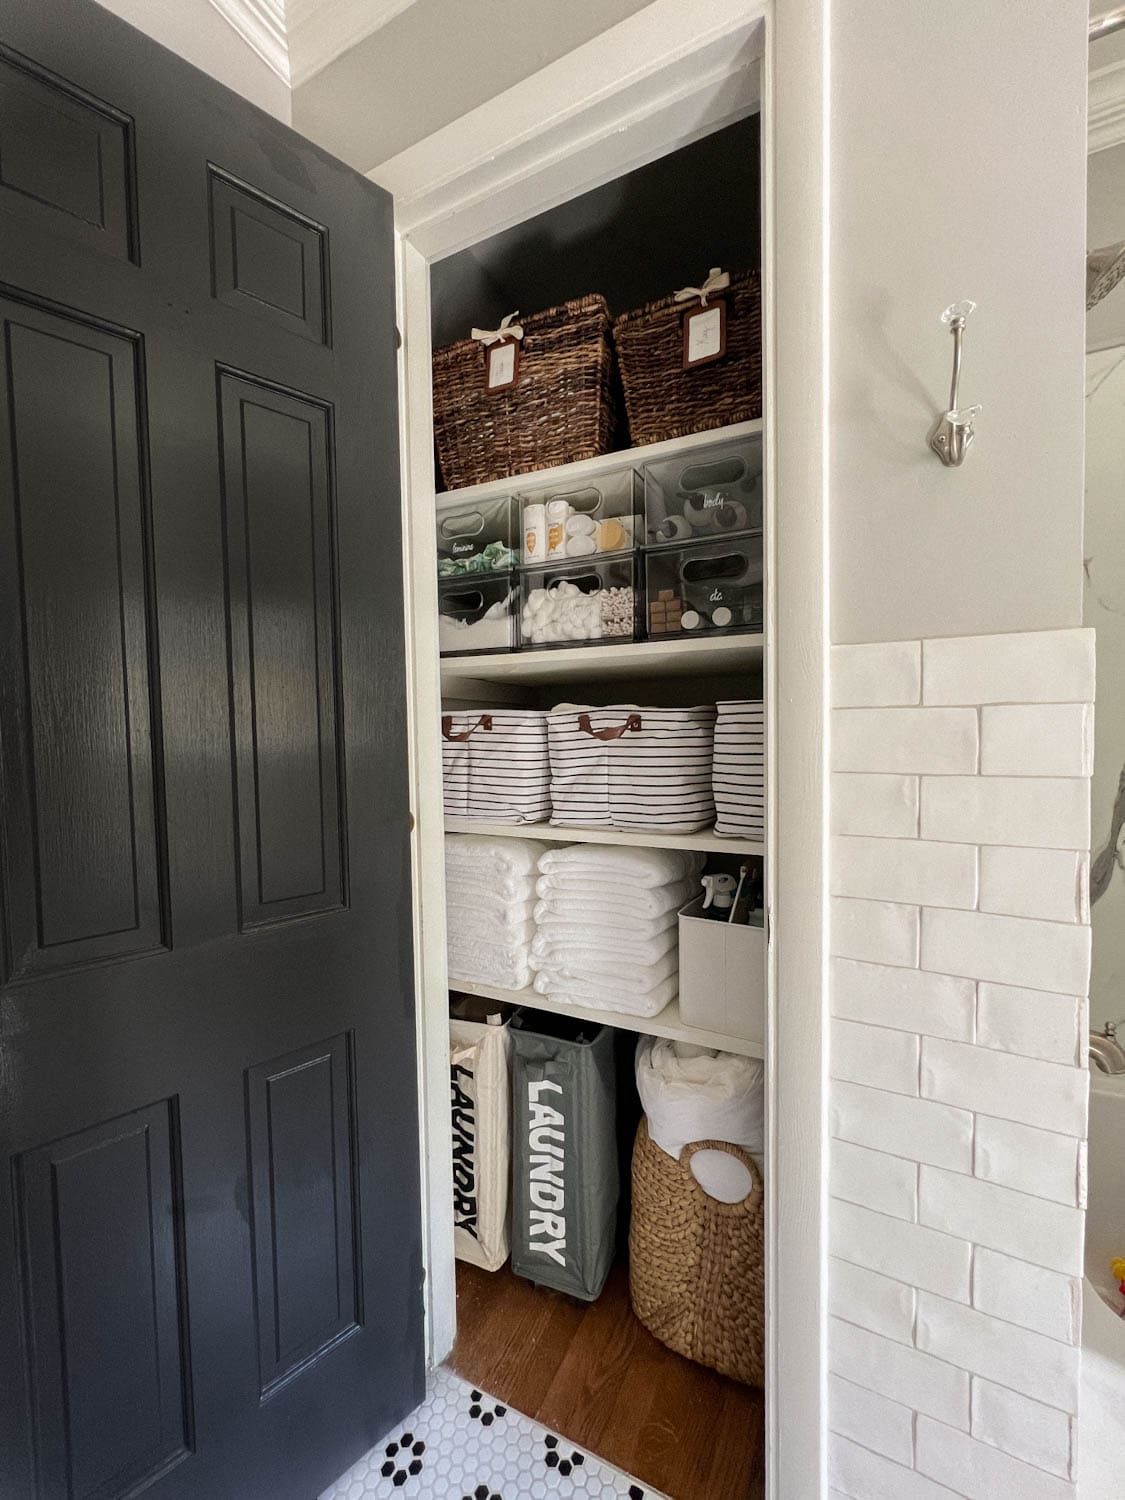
(476,538)
(477,614)
(569,523)
(713,588)
(597,601)
(712,493)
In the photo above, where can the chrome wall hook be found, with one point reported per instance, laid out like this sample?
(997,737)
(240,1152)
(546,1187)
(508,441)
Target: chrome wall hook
(953,431)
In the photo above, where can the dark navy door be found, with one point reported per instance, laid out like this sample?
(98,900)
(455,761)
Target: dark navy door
(210,1262)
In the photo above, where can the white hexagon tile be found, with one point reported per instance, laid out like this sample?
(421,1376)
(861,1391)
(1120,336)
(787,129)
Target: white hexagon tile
(460,1444)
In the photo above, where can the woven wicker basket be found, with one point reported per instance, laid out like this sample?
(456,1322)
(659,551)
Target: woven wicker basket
(560,409)
(696,1265)
(666,401)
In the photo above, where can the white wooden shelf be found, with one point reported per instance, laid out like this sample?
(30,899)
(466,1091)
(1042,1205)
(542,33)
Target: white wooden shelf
(587,469)
(667,1023)
(716,656)
(706,841)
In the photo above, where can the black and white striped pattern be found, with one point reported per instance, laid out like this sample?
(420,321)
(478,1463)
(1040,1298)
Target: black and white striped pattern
(740,770)
(500,773)
(656,775)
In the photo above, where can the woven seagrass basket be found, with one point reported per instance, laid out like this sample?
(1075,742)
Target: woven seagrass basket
(560,409)
(663,399)
(696,1265)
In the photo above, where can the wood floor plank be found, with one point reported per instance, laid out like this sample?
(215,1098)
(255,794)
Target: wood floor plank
(598,1378)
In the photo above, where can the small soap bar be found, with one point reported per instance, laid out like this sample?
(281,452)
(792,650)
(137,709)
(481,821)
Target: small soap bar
(611,536)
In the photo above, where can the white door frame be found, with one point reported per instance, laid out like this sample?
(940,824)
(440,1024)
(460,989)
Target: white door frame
(673,72)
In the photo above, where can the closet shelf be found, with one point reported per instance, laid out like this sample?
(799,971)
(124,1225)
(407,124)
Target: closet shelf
(717,655)
(667,1023)
(587,469)
(706,841)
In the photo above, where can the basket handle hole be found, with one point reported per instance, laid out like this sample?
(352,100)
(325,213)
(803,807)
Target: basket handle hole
(722,1176)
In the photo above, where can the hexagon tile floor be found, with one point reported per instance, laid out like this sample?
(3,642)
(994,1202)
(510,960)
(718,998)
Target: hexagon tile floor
(462,1445)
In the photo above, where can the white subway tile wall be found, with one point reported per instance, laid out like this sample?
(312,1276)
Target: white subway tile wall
(961,952)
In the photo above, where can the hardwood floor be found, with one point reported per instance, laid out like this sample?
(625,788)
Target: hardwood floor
(594,1375)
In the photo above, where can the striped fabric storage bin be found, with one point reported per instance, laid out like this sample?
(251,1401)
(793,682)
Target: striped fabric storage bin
(740,769)
(629,767)
(494,765)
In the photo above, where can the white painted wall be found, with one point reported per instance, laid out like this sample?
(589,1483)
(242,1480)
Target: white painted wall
(198,33)
(960,799)
(1105,610)
(958,165)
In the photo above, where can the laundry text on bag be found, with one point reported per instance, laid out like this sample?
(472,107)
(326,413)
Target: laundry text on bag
(547,1141)
(464,1151)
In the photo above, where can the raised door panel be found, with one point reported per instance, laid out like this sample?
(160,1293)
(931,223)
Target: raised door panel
(268,260)
(103,1287)
(83,869)
(283,627)
(301,1112)
(65,159)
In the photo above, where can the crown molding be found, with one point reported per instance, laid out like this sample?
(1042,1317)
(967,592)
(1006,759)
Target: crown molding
(261,25)
(668,72)
(1105,121)
(321,30)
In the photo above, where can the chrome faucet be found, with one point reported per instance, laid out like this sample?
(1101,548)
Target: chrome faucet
(1106,1052)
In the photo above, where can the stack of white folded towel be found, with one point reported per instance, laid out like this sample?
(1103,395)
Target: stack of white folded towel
(490,898)
(606,925)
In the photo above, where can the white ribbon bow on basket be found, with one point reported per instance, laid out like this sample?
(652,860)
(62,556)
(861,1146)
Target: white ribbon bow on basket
(717,281)
(507,330)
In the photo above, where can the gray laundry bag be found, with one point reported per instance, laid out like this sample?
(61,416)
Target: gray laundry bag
(564,1152)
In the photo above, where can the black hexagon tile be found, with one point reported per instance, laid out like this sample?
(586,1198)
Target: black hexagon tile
(462,1444)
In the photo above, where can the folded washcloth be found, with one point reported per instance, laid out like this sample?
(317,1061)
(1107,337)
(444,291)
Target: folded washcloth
(606,996)
(576,897)
(629,978)
(590,955)
(477,928)
(461,908)
(558,926)
(488,888)
(644,868)
(489,963)
(474,855)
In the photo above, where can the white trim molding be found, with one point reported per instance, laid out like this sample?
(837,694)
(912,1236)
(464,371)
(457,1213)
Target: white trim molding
(669,73)
(261,25)
(1105,121)
(322,30)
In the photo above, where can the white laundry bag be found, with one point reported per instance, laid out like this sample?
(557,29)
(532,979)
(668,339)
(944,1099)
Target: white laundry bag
(691,1093)
(480,1099)
(494,765)
(631,767)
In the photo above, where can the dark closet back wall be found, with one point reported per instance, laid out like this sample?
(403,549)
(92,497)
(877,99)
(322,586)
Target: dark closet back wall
(638,237)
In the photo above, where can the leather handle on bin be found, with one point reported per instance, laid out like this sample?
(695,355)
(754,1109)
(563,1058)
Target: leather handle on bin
(633,722)
(484,722)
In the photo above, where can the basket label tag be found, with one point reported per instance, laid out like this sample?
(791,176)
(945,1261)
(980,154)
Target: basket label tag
(705,334)
(547,1191)
(501,364)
